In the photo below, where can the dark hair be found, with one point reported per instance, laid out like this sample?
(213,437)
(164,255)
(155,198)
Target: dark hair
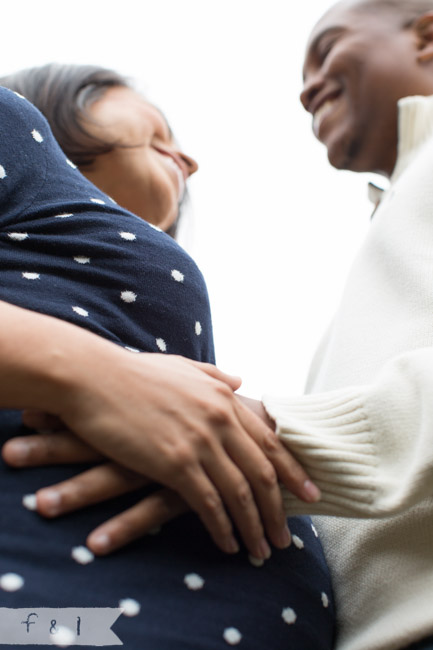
(62,93)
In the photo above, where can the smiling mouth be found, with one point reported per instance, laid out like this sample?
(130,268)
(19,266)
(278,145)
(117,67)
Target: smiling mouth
(322,113)
(180,177)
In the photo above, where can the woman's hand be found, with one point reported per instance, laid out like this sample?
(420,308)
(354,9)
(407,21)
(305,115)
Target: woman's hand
(105,481)
(174,421)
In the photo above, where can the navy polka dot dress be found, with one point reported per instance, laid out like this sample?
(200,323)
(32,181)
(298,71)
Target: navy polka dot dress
(69,251)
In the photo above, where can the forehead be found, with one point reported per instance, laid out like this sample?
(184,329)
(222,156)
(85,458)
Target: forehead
(123,111)
(348,16)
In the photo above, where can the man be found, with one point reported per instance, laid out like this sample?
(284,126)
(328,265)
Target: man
(364,433)
(369,439)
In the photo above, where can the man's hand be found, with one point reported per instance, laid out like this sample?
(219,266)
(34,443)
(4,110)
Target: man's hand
(171,420)
(110,480)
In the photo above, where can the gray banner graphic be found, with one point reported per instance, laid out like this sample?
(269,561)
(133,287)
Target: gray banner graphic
(61,626)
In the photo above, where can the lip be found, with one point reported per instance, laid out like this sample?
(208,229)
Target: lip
(179,167)
(321,98)
(322,107)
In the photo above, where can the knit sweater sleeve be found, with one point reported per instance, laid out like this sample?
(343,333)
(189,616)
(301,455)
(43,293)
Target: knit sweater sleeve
(368,448)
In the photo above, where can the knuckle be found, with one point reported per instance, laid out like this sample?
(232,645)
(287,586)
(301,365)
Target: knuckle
(46,446)
(126,528)
(212,503)
(204,437)
(181,458)
(268,477)
(73,491)
(219,413)
(224,390)
(271,444)
(244,495)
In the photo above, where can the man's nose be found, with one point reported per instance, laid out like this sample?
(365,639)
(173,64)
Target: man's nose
(313,83)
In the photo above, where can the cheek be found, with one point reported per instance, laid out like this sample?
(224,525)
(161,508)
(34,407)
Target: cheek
(150,194)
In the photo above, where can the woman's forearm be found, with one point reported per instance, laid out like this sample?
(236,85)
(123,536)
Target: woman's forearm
(41,358)
(174,420)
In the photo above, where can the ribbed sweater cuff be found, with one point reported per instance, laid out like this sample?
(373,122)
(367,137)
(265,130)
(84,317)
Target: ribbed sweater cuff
(330,436)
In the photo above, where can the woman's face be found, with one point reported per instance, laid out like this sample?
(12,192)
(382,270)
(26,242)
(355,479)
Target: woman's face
(147,173)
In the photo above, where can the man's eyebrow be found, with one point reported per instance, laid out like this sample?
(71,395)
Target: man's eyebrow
(336,29)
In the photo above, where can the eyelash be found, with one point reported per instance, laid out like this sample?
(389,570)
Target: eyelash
(161,137)
(324,51)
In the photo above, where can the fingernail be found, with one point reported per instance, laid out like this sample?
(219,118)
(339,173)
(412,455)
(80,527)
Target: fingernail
(264,550)
(231,545)
(29,501)
(50,501)
(100,541)
(311,491)
(20,450)
(285,538)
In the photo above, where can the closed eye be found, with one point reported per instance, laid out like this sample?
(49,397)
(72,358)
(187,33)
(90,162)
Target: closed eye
(324,42)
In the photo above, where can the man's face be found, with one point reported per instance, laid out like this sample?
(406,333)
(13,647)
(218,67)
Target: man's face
(357,66)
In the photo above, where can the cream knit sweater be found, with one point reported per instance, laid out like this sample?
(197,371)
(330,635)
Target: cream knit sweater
(365,431)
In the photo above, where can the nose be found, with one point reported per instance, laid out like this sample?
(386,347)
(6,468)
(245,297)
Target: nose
(191,164)
(313,83)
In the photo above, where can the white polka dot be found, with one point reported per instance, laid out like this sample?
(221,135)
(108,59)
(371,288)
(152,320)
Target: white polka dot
(31,276)
(161,345)
(18,94)
(193,581)
(177,275)
(65,215)
(132,349)
(37,136)
(11,582)
(232,636)
(325,599)
(98,201)
(130,606)
(80,311)
(82,555)
(297,541)
(129,236)
(2,172)
(313,528)
(155,227)
(71,164)
(288,615)
(29,501)
(256,561)
(82,260)
(198,329)
(128,296)
(18,236)
(63,638)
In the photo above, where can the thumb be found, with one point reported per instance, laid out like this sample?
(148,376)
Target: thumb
(231,380)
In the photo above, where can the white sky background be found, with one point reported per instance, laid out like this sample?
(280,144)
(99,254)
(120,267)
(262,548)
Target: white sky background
(273,227)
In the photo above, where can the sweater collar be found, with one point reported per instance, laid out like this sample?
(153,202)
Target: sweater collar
(415,127)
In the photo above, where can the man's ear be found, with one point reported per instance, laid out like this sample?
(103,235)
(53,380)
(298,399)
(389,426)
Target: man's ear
(423,27)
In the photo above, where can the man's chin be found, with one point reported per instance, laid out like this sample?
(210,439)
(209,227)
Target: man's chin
(344,155)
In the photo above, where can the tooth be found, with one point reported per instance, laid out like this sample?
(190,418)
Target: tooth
(319,113)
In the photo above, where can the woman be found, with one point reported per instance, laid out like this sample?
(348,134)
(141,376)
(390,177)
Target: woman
(77,263)
(120,140)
